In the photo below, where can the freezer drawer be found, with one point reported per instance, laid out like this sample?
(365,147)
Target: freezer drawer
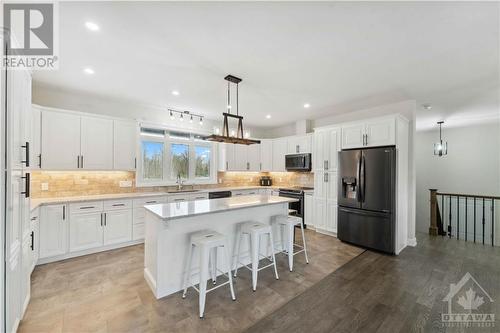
(373,230)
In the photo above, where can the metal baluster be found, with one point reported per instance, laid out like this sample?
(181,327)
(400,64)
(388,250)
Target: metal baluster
(449,216)
(458,216)
(474,219)
(483,221)
(492,222)
(466,219)
(442,214)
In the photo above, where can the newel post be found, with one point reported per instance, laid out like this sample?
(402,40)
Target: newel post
(433,229)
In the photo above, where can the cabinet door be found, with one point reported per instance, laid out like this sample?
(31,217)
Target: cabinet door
(97,143)
(380,132)
(319,213)
(266,155)
(117,226)
(240,157)
(330,185)
(332,149)
(279,152)
(60,140)
(85,231)
(254,157)
(304,144)
(292,145)
(15,119)
(352,135)
(53,231)
(320,185)
(26,264)
(308,209)
(35,139)
(35,227)
(124,145)
(226,157)
(331,216)
(319,149)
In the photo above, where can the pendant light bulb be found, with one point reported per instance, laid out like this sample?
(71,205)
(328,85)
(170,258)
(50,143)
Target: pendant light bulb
(191,120)
(171,115)
(201,121)
(181,118)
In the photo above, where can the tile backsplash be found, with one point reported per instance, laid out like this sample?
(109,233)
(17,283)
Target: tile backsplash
(77,183)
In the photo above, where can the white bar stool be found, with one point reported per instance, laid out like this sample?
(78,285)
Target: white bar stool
(286,224)
(207,242)
(254,230)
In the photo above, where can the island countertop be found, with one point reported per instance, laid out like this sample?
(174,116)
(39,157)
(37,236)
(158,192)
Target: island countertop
(177,210)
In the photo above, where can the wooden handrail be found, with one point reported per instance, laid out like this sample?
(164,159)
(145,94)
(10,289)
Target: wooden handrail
(469,195)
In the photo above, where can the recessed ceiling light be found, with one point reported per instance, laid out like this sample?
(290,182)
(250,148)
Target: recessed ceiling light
(92,26)
(88,70)
(307,105)
(175,93)
(268,116)
(427,106)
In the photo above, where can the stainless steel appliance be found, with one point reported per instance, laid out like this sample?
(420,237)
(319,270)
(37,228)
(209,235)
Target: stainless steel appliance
(296,193)
(298,162)
(219,194)
(366,197)
(266,181)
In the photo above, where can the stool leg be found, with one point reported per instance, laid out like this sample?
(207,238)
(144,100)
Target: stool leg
(226,251)
(238,255)
(271,240)
(213,265)
(290,246)
(304,241)
(187,272)
(255,240)
(282,234)
(204,256)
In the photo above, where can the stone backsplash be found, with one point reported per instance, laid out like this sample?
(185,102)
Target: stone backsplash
(77,183)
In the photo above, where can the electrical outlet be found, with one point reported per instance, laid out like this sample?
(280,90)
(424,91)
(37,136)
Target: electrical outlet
(220,180)
(125,183)
(45,186)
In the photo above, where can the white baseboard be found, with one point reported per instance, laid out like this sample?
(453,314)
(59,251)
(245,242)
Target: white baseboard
(326,232)
(412,242)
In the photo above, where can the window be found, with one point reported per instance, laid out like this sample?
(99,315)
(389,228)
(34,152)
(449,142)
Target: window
(179,154)
(165,155)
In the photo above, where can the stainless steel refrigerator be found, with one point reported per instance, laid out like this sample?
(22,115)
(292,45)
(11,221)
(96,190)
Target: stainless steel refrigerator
(366,197)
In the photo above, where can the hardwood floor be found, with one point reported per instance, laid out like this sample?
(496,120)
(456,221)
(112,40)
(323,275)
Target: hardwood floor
(106,292)
(381,293)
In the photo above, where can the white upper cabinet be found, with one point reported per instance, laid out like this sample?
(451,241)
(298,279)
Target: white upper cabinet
(60,140)
(369,133)
(226,157)
(299,144)
(380,132)
(326,146)
(96,143)
(253,154)
(279,152)
(266,155)
(124,145)
(35,138)
(240,158)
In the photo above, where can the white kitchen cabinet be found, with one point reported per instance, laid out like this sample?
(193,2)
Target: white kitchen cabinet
(124,145)
(26,264)
(325,201)
(308,209)
(369,133)
(279,152)
(60,140)
(253,157)
(331,216)
(35,138)
(53,231)
(353,135)
(326,147)
(266,154)
(35,236)
(117,226)
(240,158)
(226,157)
(299,144)
(96,143)
(85,231)
(319,213)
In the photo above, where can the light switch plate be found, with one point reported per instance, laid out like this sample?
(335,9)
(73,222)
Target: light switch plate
(45,186)
(125,183)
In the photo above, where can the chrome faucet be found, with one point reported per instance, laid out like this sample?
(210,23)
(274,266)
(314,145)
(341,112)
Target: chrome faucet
(179,182)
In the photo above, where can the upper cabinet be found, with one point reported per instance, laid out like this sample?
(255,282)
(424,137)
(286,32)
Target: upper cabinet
(279,152)
(299,144)
(253,157)
(266,155)
(60,146)
(96,143)
(35,137)
(235,157)
(124,145)
(240,158)
(326,147)
(370,133)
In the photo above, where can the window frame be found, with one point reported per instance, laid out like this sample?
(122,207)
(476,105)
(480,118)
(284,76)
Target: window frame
(192,143)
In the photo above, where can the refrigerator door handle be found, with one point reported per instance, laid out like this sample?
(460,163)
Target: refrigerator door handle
(362,178)
(358,180)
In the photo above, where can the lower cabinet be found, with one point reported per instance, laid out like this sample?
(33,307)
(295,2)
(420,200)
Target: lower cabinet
(85,231)
(308,210)
(117,226)
(53,230)
(325,214)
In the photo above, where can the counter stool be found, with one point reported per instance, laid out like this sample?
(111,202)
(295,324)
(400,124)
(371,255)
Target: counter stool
(254,230)
(207,242)
(286,224)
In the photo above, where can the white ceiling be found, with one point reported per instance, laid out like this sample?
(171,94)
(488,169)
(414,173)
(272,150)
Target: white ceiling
(331,55)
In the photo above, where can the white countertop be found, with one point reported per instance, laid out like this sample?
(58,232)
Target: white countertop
(176,210)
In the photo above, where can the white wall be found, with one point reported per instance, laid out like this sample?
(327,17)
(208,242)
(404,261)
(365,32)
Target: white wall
(472,165)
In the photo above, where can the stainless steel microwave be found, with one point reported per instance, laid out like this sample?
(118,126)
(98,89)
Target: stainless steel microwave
(298,162)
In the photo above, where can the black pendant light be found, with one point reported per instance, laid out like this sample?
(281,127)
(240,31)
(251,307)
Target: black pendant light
(239,138)
(441,147)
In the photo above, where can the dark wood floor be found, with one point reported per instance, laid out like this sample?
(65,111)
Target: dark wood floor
(380,293)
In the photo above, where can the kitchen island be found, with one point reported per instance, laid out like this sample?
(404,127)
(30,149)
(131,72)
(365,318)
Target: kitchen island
(169,226)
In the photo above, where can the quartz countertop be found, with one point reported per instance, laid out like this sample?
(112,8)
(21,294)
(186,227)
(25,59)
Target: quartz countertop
(177,210)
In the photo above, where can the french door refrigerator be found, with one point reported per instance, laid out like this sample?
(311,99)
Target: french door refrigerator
(366,197)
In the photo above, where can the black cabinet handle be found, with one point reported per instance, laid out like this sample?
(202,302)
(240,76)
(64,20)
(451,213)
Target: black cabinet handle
(101,218)
(78,161)
(26,185)
(118,205)
(40,160)
(87,207)
(105,218)
(64,212)
(150,202)
(27,152)
(32,241)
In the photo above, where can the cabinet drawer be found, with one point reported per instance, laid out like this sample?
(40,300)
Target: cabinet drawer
(199,196)
(86,207)
(149,201)
(178,198)
(138,231)
(117,204)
